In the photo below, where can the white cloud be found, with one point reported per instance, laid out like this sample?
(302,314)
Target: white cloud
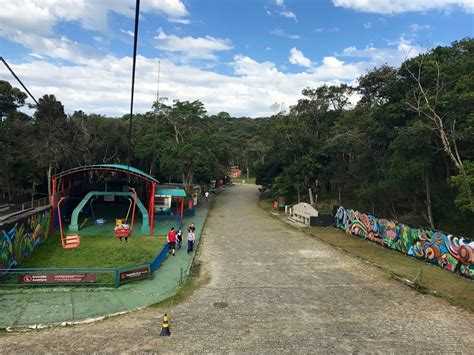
(102,85)
(335,69)
(181,21)
(393,55)
(282,33)
(399,6)
(40,16)
(62,48)
(368,25)
(297,57)
(31,22)
(280,2)
(289,14)
(328,29)
(192,47)
(130,33)
(172,8)
(416,27)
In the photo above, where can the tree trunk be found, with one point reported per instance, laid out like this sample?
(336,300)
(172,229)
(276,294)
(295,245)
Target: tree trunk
(339,192)
(429,211)
(48,177)
(6,174)
(298,190)
(311,200)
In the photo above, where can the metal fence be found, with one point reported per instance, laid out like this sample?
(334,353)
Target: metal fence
(41,202)
(155,264)
(109,277)
(59,276)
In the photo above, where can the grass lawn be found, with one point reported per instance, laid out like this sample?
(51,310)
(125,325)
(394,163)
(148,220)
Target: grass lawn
(458,290)
(95,251)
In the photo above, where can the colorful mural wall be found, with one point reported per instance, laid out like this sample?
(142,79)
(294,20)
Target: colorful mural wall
(23,237)
(447,251)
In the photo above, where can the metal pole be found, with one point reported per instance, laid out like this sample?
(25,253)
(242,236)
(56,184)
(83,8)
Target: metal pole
(137,15)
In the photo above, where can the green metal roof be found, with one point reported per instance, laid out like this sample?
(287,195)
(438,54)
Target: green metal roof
(171,192)
(113,167)
(131,168)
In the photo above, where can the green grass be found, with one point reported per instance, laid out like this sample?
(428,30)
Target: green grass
(458,290)
(95,251)
(240,180)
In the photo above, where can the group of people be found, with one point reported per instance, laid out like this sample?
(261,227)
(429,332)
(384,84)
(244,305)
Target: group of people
(175,240)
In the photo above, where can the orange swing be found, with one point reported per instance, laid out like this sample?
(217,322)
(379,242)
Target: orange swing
(71,240)
(122,229)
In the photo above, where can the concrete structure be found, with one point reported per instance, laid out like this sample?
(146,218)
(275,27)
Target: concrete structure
(235,172)
(303,212)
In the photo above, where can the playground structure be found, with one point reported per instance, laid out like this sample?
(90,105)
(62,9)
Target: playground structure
(164,197)
(123,229)
(80,184)
(75,226)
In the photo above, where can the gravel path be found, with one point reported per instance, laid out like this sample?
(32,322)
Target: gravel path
(273,289)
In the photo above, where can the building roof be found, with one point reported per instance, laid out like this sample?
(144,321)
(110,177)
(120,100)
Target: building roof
(109,167)
(170,192)
(304,209)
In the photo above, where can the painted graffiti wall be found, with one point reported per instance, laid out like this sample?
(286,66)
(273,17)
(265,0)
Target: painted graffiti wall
(23,237)
(447,251)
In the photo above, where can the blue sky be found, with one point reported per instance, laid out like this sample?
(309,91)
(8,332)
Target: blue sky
(245,57)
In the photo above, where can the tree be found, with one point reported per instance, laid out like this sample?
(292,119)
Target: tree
(430,95)
(50,127)
(11,99)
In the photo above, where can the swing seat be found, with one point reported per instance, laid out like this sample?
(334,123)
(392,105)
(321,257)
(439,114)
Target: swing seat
(122,231)
(71,241)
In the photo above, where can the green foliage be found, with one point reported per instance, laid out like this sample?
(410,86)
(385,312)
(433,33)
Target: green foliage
(386,155)
(464,182)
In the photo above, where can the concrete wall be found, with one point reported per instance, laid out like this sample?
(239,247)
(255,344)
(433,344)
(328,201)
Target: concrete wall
(22,236)
(455,254)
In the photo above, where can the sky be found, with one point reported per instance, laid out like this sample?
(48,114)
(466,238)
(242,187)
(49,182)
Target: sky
(245,57)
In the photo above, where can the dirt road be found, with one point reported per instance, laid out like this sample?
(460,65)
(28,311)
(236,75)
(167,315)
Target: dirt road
(273,289)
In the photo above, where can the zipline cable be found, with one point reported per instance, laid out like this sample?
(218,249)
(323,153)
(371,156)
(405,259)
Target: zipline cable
(18,79)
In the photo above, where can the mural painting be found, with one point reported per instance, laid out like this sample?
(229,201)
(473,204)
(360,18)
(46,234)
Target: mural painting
(22,238)
(452,253)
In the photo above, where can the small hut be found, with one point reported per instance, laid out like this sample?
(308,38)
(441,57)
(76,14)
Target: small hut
(304,213)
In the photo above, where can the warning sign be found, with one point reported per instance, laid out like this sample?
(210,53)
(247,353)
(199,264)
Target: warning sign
(56,278)
(135,274)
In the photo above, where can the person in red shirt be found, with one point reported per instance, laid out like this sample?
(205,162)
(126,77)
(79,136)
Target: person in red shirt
(171,238)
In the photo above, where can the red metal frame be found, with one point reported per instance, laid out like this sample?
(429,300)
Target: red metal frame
(153,182)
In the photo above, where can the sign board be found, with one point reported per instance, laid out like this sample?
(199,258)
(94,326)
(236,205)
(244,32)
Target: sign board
(135,274)
(56,278)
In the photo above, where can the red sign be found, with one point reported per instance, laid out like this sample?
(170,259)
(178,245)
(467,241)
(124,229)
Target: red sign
(55,278)
(135,274)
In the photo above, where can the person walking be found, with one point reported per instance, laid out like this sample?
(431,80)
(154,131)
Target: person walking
(171,238)
(179,240)
(191,238)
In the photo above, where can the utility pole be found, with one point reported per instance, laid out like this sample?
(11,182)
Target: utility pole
(135,40)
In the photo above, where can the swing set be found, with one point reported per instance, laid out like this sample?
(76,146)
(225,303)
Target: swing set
(122,229)
(69,241)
